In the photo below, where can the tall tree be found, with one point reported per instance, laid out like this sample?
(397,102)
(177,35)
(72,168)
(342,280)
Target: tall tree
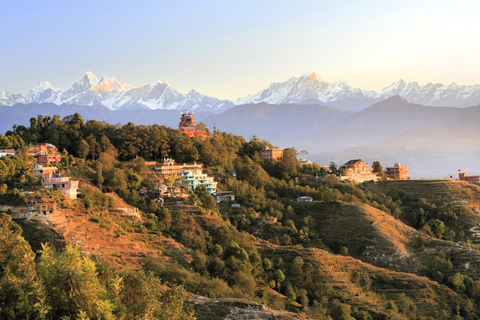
(378,169)
(20,291)
(83,149)
(72,284)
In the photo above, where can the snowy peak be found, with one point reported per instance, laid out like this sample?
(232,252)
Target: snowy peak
(9,99)
(310,88)
(107,84)
(42,92)
(44,85)
(81,85)
(312,76)
(90,78)
(196,101)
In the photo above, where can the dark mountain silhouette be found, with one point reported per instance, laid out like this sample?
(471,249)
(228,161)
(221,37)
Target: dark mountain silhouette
(387,119)
(433,141)
(280,124)
(430,152)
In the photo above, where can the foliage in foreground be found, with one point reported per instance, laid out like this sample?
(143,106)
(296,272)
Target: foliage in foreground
(70,285)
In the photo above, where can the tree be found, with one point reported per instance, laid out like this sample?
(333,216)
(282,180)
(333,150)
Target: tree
(100,178)
(289,163)
(378,169)
(20,291)
(438,227)
(333,168)
(278,277)
(119,181)
(71,283)
(142,294)
(296,270)
(290,293)
(174,307)
(83,149)
(199,262)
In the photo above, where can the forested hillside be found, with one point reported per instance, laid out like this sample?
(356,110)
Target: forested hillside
(383,250)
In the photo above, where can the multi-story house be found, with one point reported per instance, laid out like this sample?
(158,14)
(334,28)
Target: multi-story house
(463,176)
(46,208)
(274,154)
(397,172)
(196,178)
(51,179)
(42,149)
(45,172)
(67,186)
(170,167)
(357,170)
(49,159)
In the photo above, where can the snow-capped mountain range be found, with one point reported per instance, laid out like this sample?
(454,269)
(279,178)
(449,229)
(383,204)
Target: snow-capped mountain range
(108,92)
(435,94)
(309,88)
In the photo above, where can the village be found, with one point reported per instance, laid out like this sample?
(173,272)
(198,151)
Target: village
(177,178)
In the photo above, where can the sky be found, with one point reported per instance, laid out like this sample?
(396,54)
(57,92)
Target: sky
(229,49)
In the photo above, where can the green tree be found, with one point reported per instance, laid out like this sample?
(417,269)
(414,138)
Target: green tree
(100,179)
(290,293)
(118,183)
(83,149)
(333,168)
(378,169)
(438,227)
(21,296)
(174,307)
(278,277)
(71,283)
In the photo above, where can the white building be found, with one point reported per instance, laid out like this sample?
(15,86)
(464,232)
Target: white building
(64,184)
(195,178)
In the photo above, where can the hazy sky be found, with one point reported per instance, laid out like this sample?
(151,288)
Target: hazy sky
(229,49)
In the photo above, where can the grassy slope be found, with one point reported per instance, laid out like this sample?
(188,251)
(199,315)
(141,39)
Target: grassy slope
(368,233)
(355,224)
(383,286)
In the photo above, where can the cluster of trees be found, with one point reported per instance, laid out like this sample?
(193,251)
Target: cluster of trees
(72,285)
(91,138)
(439,221)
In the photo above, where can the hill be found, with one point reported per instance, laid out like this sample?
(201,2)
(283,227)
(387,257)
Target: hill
(20,114)
(431,152)
(132,242)
(387,119)
(281,124)
(394,249)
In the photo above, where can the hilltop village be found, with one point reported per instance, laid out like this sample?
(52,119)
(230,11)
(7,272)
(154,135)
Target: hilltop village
(225,226)
(176,178)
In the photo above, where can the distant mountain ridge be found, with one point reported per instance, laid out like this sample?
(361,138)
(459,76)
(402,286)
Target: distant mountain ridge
(276,123)
(435,94)
(108,92)
(309,88)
